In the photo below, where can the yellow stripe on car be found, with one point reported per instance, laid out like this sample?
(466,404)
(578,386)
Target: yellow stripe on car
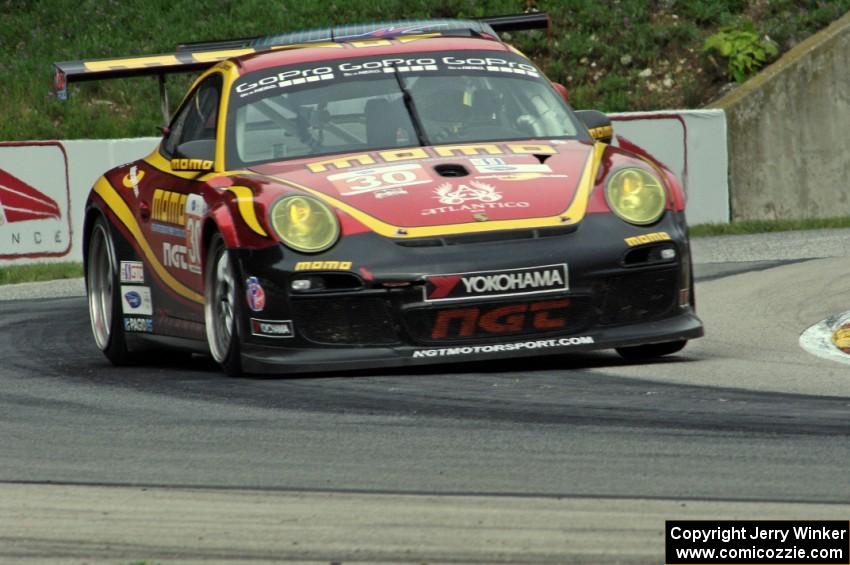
(122,211)
(245,201)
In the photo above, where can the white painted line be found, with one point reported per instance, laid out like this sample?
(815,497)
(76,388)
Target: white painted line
(817,340)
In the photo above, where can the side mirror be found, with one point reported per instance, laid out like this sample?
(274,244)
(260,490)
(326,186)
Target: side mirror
(598,124)
(196,155)
(562,90)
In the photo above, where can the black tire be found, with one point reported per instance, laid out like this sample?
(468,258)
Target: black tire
(652,350)
(103,293)
(222,307)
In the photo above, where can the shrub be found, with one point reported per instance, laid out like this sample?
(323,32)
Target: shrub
(744,49)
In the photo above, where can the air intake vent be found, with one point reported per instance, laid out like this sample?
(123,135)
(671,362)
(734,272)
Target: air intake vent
(451,170)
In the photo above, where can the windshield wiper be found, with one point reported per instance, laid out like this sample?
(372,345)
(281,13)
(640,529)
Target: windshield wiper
(411,108)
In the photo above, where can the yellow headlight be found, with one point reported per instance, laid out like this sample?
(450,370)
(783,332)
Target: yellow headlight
(304,223)
(636,195)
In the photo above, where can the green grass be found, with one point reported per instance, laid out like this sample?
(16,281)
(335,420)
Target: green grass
(40,272)
(765,226)
(599,50)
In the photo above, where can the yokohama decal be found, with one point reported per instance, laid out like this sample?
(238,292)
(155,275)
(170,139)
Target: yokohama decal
(484,284)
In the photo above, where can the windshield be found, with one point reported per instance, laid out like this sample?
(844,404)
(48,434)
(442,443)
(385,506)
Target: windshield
(359,104)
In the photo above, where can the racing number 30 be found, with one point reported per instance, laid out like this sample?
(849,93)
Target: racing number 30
(371,180)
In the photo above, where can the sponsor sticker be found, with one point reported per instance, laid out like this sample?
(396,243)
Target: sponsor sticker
(272,328)
(255,295)
(485,284)
(377,179)
(138,325)
(132,272)
(132,179)
(196,208)
(449,194)
(521,176)
(165,229)
(486,166)
(474,207)
(136,300)
(500,319)
(503,347)
(395,156)
(647,238)
(169,207)
(174,257)
(323,265)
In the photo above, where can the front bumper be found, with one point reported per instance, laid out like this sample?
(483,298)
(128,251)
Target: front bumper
(374,313)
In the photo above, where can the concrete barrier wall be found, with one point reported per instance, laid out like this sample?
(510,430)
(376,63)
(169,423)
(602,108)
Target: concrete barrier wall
(788,131)
(46,184)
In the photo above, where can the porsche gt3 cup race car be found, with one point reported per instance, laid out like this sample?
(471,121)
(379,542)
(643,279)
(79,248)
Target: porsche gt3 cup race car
(381,195)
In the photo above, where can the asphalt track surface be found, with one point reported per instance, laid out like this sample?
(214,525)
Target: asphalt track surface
(741,422)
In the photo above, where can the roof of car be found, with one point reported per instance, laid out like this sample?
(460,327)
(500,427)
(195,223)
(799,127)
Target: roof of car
(393,46)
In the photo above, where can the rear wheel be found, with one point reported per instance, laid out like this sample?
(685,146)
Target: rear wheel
(221,307)
(104,295)
(651,350)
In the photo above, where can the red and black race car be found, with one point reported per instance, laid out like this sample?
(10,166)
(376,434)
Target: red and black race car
(381,195)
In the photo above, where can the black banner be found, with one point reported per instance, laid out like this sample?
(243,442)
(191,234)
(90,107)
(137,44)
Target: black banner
(760,542)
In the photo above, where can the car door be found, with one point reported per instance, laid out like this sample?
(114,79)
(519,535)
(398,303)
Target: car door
(171,198)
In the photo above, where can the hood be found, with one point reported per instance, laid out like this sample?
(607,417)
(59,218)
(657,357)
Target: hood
(425,187)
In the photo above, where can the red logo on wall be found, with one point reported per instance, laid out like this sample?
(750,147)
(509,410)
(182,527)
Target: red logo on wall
(20,202)
(35,200)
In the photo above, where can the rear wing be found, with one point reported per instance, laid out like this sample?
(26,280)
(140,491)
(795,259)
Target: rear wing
(190,57)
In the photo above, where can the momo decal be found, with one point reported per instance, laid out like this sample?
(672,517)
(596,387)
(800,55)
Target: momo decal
(510,282)
(136,300)
(272,328)
(420,153)
(323,265)
(169,207)
(377,179)
(647,238)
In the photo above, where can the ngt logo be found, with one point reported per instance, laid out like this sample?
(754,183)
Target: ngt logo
(174,257)
(530,280)
(510,319)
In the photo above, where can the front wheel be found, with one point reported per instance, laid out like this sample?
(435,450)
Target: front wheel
(221,307)
(652,350)
(103,292)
